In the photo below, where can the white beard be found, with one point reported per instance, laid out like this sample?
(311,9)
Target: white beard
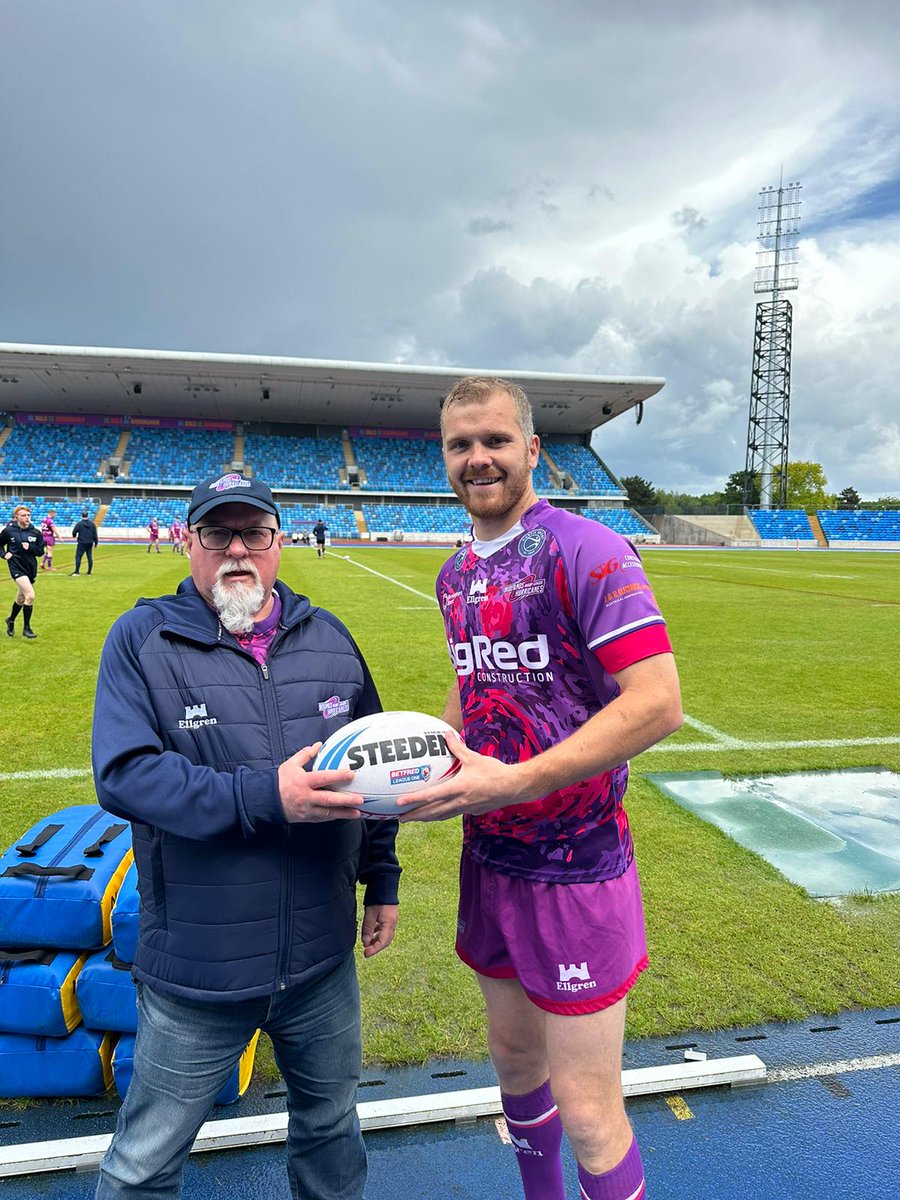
(237,603)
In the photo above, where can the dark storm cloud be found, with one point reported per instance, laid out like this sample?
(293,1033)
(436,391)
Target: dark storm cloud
(382,180)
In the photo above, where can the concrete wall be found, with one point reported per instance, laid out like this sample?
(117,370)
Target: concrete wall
(706,531)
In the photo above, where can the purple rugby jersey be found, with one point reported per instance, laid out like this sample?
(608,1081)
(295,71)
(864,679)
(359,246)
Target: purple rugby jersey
(535,631)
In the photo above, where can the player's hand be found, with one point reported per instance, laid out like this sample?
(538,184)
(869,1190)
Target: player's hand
(378,927)
(305,795)
(481,785)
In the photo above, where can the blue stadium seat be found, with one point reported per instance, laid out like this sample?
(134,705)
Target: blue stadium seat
(56,453)
(296,462)
(590,475)
(860,525)
(417,518)
(780,524)
(299,518)
(400,464)
(182,457)
(133,512)
(621,520)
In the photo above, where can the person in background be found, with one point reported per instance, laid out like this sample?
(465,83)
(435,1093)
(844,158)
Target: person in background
(153,530)
(176,535)
(211,705)
(319,530)
(86,538)
(564,672)
(50,534)
(20,545)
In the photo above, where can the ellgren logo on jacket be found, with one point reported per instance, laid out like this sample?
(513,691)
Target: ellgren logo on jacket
(195,716)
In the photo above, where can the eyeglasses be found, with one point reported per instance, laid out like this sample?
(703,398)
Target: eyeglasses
(220,537)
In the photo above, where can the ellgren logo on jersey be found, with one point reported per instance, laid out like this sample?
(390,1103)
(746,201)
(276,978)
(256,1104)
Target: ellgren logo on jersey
(531,542)
(477,592)
(519,661)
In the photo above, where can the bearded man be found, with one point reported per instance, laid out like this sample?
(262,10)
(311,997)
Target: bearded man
(210,705)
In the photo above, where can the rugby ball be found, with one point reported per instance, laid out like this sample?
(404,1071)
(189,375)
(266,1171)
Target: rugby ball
(391,754)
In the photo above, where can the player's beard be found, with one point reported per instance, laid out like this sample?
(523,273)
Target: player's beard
(494,503)
(237,603)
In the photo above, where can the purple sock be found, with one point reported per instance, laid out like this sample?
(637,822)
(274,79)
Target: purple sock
(624,1182)
(536,1131)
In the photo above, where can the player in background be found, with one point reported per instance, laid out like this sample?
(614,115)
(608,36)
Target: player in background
(319,534)
(49,533)
(565,672)
(176,534)
(153,530)
(20,545)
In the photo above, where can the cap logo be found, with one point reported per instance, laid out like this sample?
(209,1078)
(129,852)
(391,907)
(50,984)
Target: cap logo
(227,482)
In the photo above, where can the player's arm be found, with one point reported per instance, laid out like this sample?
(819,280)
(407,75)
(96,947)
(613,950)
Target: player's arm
(452,713)
(647,709)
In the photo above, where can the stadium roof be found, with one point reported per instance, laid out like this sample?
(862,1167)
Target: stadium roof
(243,387)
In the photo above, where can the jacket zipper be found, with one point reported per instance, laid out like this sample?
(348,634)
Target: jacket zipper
(287,887)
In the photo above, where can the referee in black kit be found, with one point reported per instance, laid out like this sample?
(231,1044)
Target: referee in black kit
(22,546)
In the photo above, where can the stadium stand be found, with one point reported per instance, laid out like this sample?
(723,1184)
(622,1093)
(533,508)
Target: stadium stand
(68,512)
(870,528)
(588,472)
(56,453)
(296,462)
(623,521)
(416,519)
(779,526)
(177,456)
(133,512)
(297,518)
(400,464)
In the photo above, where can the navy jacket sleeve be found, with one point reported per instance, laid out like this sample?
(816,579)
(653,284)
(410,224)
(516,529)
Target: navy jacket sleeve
(137,778)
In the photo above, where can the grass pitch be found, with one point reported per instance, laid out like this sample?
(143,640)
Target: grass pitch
(776,650)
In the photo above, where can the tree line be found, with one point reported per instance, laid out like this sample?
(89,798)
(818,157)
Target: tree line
(807,488)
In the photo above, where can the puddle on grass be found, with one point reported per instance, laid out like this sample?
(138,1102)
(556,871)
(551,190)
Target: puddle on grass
(833,832)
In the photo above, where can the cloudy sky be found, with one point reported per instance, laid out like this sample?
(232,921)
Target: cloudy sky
(513,184)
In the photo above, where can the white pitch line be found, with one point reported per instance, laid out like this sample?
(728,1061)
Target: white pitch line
(723,739)
(389,579)
(57,773)
(718,747)
(842,1066)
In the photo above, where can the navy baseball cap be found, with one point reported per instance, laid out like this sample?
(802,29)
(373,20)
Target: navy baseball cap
(231,488)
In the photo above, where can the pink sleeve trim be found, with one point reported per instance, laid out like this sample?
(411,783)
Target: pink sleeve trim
(632,647)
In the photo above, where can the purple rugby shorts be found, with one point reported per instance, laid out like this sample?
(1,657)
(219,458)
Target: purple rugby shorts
(574,947)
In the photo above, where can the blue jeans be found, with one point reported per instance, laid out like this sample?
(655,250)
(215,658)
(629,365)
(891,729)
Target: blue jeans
(186,1050)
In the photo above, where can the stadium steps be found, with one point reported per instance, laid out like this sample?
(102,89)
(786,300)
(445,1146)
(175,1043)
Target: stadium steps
(4,434)
(100,514)
(816,526)
(555,473)
(237,454)
(689,530)
(361,525)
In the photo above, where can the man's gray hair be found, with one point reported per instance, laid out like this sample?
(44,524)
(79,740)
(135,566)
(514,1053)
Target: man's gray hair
(475,389)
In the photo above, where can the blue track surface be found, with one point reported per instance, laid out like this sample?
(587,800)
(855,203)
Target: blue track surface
(800,1139)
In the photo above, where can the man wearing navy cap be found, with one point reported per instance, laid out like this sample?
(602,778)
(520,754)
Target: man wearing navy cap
(210,706)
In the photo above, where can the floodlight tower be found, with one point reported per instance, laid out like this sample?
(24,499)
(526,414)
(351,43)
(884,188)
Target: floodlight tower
(770,385)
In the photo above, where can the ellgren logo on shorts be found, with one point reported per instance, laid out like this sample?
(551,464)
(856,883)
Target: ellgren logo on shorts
(531,542)
(226,482)
(574,977)
(334,706)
